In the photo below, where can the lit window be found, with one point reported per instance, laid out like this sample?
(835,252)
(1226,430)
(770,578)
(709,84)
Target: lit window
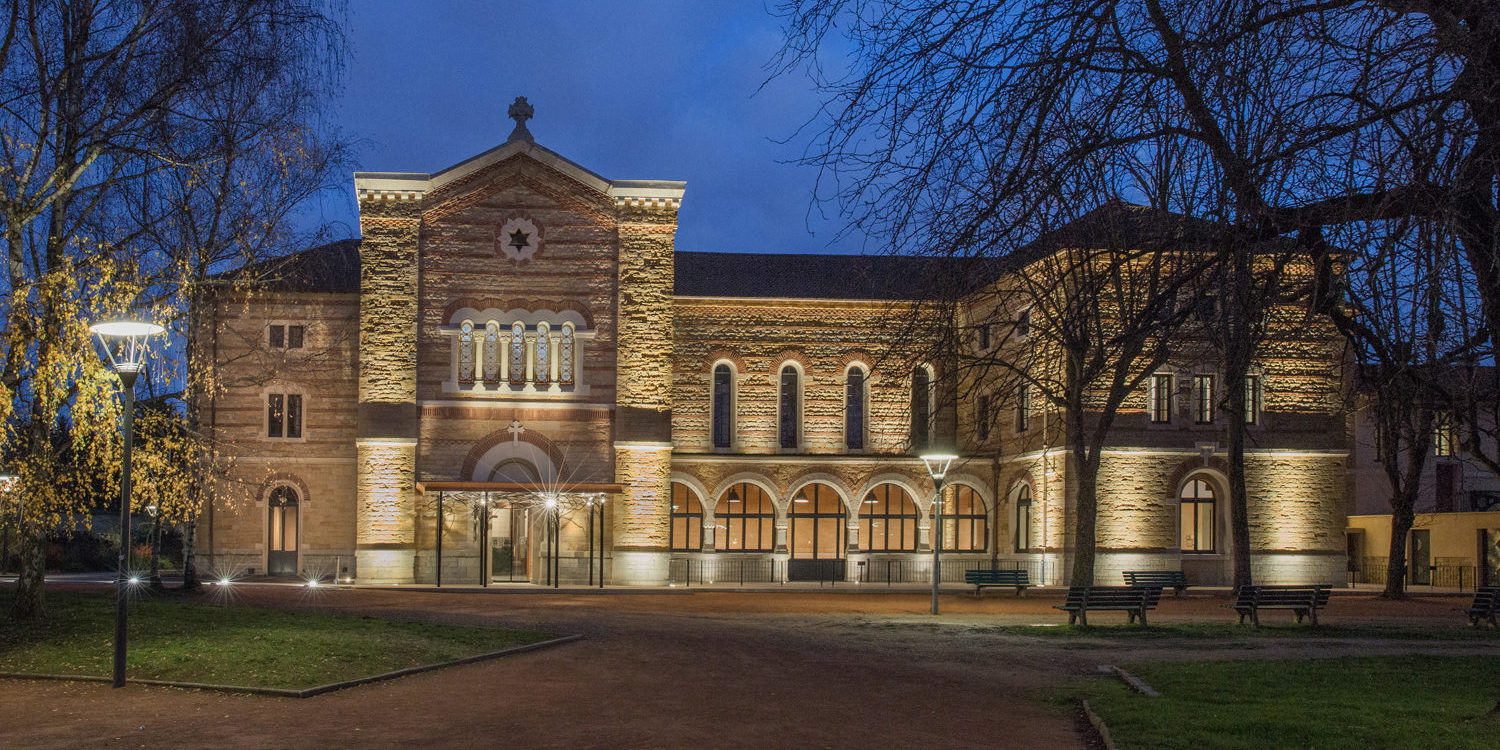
(283,523)
(1197,510)
(888,520)
(789,404)
(491,352)
(921,408)
(565,356)
(517,353)
(543,372)
(1442,434)
(745,519)
(817,523)
(966,528)
(466,352)
(723,406)
(854,409)
(1252,399)
(687,519)
(1161,398)
(284,415)
(1203,399)
(1023,518)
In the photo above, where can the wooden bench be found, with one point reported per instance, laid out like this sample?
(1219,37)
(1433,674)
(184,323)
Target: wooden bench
(1135,601)
(1303,600)
(1486,600)
(1162,579)
(1019,579)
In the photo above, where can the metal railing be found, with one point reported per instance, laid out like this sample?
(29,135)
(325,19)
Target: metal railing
(920,570)
(727,570)
(1445,572)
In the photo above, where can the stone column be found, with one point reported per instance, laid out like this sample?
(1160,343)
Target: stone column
(385,511)
(643,383)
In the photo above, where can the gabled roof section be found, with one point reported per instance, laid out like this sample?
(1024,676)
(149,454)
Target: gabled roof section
(414,185)
(332,268)
(789,276)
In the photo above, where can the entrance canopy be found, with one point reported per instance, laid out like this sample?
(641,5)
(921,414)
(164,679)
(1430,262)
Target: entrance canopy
(570,489)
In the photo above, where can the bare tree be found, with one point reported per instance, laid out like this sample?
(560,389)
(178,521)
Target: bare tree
(95,99)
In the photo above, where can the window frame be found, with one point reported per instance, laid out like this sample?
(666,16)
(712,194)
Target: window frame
(1023,407)
(692,521)
(764,519)
(856,436)
(1204,403)
(818,517)
(921,401)
(1254,393)
(1159,398)
(1021,499)
(1197,501)
(291,402)
(978,516)
(725,411)
(900,517)
(789,407)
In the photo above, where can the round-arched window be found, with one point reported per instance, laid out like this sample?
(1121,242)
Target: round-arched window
(745,519)
(888,520)
(687,519)
(1197,516)
(966,526)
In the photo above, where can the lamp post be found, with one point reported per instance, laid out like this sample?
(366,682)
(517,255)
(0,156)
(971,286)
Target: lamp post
(937,468)
(124,343)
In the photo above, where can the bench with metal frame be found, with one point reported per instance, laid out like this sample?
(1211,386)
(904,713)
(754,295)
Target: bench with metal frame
(1018,579)
(1485,606)
(1162,579)
(1133,600)
(1302,600)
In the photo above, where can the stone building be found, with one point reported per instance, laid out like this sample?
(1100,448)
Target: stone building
(514,375)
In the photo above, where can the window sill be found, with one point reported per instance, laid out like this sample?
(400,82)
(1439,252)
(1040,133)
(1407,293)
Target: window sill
(506,389)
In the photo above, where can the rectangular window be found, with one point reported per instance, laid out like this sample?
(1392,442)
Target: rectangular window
(1203,399)
(281,336)
(1161,398)
(1023,407)
(1252,399)
(984,337)
(1023,324)
(788,408)
(294,337)
(982,416)
(278,337)
(723,406)
(284,415)
(275,415)
(1442,434)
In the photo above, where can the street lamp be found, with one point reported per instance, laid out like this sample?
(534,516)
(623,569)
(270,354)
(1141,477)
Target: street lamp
(124,343)
(937,468)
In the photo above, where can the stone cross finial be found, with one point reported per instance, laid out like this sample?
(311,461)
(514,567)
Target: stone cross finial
(520,111)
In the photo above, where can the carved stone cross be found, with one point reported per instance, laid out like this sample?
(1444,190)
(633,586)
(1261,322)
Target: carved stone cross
(515,429)
(520,111)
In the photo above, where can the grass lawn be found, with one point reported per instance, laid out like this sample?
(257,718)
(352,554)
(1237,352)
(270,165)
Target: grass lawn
(1365,703)
(193,640)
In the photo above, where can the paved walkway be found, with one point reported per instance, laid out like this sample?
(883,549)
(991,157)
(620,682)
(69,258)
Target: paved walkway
(797,669)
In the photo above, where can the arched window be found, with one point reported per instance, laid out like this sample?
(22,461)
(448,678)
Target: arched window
(888,520)
(1022,497)
(966,527)
(854,409)
(687,519)
(282,532)
(790,401)
(543,353)
(491,352)
(817,523)
(466,352)
(723,406)
(921,408)
(565,355)
(1197,514)
(745,519)
(517,353)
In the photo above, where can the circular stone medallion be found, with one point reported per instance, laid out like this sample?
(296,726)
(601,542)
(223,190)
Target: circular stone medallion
(518,239)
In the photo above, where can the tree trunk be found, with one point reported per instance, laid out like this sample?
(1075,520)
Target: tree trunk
(1084,468)
(28,606)
(1239,507)
(189,548)
(1403,517)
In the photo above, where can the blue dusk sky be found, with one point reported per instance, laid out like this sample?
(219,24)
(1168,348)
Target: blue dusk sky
(652,89)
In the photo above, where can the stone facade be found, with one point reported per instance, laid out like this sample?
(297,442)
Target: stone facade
(516,340)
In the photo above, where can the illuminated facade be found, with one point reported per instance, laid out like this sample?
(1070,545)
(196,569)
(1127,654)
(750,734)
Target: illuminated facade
(517,329)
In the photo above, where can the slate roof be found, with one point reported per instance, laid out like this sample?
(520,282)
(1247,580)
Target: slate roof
(333,267)
(805,276)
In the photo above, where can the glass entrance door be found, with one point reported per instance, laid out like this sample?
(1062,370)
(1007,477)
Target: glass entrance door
(817,523)
(281,560)
(510,531)
(1421,557)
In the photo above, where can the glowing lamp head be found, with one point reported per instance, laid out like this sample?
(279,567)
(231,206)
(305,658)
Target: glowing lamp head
(135,580)
(938,464)
(124,343)
(224,581)
(152,510)
(550,502)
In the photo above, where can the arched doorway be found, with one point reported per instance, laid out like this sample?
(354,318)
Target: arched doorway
(817,524)
(282,527)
